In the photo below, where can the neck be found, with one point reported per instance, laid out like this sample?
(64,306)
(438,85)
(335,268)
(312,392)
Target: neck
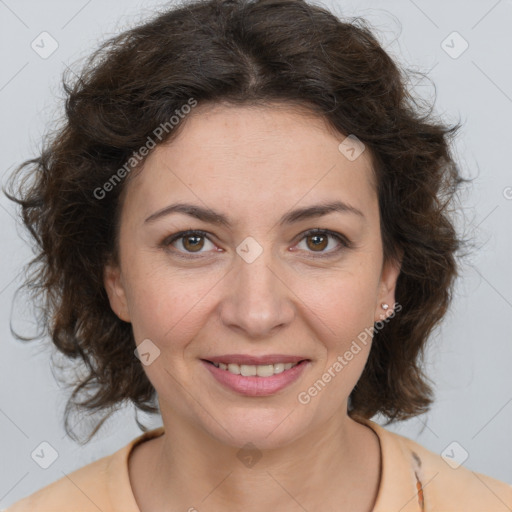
(334,467)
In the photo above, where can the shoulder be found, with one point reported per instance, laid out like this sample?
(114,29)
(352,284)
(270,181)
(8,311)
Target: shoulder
(456,487)
(102,485)
(85,488)
(444,484)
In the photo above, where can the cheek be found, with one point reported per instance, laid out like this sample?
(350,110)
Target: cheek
(171,304)
(342,301)
(341,310)
(167,304)
(344,329)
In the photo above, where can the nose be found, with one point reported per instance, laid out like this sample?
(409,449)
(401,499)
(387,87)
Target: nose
(257,300)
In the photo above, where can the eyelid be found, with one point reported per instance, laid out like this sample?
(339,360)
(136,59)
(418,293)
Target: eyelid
(339,236)
(344,242)
(180,235)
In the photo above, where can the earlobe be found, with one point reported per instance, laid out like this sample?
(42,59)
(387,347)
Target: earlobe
(114,287)
(386,298)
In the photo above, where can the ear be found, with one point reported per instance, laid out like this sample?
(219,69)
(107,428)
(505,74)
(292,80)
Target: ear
(112,279)
(387,286)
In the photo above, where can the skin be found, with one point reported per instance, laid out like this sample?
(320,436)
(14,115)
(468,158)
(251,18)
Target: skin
(289,300)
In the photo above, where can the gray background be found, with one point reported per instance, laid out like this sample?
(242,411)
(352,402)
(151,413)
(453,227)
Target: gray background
(470,356)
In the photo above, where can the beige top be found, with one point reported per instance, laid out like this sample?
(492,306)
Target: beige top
(413,479)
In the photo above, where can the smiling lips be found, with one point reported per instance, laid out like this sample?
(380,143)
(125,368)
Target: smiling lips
(251,366)
(251,370)
(256,376)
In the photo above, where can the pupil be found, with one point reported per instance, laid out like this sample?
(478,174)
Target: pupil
(318,243)
(193,237)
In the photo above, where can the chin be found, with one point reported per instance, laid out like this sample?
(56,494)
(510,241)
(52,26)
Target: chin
(265,429)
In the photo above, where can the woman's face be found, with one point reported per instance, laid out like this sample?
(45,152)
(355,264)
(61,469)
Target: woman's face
(254,284)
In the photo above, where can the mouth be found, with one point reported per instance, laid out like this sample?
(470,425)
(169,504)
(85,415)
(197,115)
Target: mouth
(253,370)
(256,376)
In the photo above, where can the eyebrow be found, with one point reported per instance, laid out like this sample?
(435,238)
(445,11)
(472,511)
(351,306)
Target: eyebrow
(210,216)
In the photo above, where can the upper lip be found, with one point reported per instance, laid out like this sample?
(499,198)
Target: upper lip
(255,360)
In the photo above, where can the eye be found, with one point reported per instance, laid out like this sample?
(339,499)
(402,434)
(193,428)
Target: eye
(191,241)
(317,240)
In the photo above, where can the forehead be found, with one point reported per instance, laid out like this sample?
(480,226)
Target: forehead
(254,155)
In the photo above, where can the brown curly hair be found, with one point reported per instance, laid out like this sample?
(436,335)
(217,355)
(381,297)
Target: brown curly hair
(240,52)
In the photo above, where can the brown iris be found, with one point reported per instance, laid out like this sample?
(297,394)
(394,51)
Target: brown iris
(196,245)
(318,245)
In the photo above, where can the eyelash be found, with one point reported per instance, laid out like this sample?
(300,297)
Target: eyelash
(344,242)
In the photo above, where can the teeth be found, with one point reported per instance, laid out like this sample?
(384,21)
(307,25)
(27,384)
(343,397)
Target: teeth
(279,368)
(250,370)
(234,368)
(265,370)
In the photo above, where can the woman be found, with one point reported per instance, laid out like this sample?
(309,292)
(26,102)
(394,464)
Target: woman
(270,331)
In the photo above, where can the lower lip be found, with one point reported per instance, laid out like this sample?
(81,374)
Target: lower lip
(256,386)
